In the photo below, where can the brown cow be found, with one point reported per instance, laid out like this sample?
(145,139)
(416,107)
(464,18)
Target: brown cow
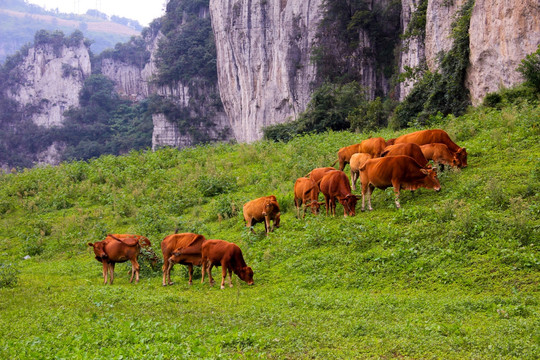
(401,172)
(306,192)
(372,146)
(441,155)
(175,242)
(335,184)
(432,136)
(318,173)
(119,248)
(409,149)
(227,255)
(263,209)
(357,161)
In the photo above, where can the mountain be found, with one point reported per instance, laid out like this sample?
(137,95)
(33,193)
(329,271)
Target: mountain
(19,21)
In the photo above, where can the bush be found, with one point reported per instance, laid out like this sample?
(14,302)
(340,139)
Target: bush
(530,69)
(9,275)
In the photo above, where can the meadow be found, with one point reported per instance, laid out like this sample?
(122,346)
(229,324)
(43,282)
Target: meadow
(451,275)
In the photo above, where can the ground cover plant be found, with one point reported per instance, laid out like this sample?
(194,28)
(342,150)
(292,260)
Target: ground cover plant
(451,275)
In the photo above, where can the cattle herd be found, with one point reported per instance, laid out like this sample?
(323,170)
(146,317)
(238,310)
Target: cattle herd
(402,163)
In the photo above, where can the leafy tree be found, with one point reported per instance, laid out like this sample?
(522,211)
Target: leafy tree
(530,69)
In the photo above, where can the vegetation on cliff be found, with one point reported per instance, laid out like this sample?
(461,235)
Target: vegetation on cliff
(451,275)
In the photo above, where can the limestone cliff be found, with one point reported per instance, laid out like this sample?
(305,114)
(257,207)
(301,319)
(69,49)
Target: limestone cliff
(263,55)
(50,81)
(502,34)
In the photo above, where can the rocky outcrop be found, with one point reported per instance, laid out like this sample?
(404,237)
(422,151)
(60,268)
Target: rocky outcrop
(502,34)
(263,56)
(129,80)
(50,81)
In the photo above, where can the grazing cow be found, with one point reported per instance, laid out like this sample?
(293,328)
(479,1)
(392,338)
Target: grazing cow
(306,192)
(263,209)
(432,136)
(118,248)
(357,161)
(372,146)
(401,172)
(441,155)
(335,184)
(409,149)
(318,173)
(176,242)
(227,255)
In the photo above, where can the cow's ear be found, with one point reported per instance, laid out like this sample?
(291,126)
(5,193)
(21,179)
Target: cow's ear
(90,244)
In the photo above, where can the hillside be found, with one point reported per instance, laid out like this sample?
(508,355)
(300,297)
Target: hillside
(451,275)
(19,22)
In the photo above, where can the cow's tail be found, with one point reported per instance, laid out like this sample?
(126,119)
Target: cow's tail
(334,163)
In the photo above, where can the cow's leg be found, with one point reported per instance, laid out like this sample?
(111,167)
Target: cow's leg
(134,270)
(297,205)
(249,224)
(353,179)
(169,268)
(267,224)
(230,277)
(190,267)
(396,186)
(210,274)
(105,271)
(224,266)
(342,164)
(326,203)
(111,273)
(203,268)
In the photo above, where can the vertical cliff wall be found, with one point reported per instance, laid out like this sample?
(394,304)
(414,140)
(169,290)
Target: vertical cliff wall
(502,34)
(50,81)
(263,54)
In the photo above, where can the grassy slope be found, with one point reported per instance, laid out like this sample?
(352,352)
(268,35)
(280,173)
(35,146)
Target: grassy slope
(452,275)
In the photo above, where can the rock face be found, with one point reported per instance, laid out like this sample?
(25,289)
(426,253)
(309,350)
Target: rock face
(51,81)
(263,55)
(502,34)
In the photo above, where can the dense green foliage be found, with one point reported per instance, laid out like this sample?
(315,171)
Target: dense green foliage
(530,69)
(187,50)
(442,91)
(104,123)
(132,52)
(451,275)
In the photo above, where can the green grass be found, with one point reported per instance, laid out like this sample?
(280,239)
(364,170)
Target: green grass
(452,275)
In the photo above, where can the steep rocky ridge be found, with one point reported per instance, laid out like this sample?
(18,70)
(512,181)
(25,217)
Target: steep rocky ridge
(263,54)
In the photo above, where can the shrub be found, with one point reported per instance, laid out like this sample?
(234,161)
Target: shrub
(530,69)
(9,275)
(214,185)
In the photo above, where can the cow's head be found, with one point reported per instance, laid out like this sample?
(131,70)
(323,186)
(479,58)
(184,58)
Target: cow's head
(246,274)
(455,162)
(431,181)
(175,257)
(277,219)
(461,154)
(315,206)
(349,203)
(99,250)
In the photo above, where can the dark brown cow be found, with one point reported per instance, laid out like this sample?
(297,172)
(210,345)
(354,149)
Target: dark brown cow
(118,248)
(372,146)
(401,172)
(433,136)
(335,184)
(357,161)
(176,242)
(318,173)
(263,209)
(306,192)
(409,149)
(441,155)
(227,255)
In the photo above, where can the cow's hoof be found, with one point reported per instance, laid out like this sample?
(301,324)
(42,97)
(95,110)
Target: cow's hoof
(222,287)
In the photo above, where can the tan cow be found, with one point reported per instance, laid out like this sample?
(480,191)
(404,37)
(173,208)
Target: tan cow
(263,209)
(357,161)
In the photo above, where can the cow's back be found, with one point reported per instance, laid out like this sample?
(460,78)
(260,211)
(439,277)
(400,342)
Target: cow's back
(410,149)
(318,173)
(304,186)
(118,251)
(335,182)
(381,171)
(372,146)
(182,240)
(429,136)
(253,209)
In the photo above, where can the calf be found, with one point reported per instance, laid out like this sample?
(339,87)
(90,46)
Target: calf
(409,149)
(441,155)
(176,242)
(263,209)
(401,172)
(335,184)
(227,255)
(318,173)
(306,192)
(357,161)
(432,136)
(118,248)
